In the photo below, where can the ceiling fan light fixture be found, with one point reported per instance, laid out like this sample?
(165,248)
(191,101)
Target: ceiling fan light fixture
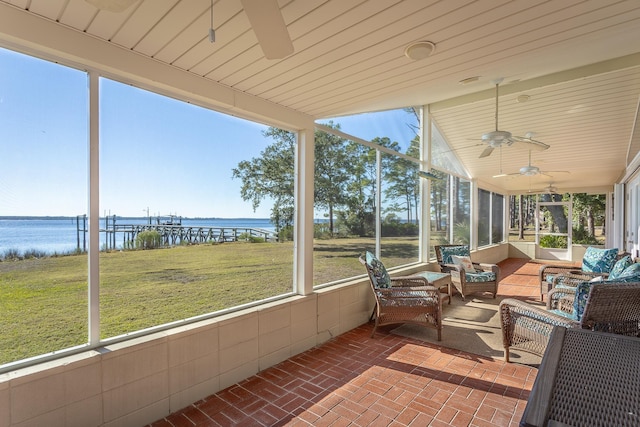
(419,50)
(496,138)
(529,170)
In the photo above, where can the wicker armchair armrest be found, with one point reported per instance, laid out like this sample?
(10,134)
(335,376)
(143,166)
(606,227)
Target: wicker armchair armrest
(402,281)
(509,306)
(409,292)
(456,271)
(528,327)
(573,279)
(561,299)
(550,269)
(487,267)
(446,268)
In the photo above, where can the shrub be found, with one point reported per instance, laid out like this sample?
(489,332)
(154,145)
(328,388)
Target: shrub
(582,237)
(149,239)
(11,255)
(34,253)
(285,234)
(553,241)
(247,237)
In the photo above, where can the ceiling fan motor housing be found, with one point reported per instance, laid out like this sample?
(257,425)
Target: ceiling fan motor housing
(496,138)
(529,170)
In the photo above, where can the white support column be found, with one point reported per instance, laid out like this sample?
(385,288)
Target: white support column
(615,218)
(378,202)
(425,184)
(473,201)
(303,189)
(94,211)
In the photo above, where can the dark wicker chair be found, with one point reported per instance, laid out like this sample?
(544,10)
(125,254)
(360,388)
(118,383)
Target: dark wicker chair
(549,273)
(460,278)
(407,299)
(575,277)
(608,307)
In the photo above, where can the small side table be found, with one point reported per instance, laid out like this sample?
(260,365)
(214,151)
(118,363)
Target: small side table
(438,280)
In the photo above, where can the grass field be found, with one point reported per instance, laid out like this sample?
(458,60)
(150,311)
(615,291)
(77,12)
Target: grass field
(43,302)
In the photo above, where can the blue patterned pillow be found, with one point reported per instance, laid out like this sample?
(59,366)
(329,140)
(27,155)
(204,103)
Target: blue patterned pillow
(381,277)
(620,266)
(580,300)
(598,260)
(631,273)
(448,251)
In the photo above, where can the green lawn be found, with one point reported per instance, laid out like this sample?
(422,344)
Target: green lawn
(43,302)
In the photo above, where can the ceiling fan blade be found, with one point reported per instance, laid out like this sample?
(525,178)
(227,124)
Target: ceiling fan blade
(487,151)
(269,27)
(548,173)
(531,144)
(504,175)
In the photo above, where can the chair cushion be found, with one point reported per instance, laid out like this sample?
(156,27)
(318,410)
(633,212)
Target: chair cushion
(448,251)
(620,266)
(571,316)
(381,277)
(484,276)
(599,260)
(464,262)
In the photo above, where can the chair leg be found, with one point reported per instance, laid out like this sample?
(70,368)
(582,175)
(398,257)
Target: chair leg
(375,326)
(506,354)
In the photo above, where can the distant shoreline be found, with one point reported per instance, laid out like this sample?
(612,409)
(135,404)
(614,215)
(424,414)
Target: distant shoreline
(31,217)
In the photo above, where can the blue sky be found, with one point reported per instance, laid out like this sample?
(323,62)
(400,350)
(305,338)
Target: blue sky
(157,153)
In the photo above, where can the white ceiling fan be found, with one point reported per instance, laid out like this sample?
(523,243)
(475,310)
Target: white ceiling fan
(498,138)
(529,170)
(264,16)
(549,189)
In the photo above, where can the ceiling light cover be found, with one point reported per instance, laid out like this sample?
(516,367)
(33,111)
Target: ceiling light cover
(419,50)
(529,170)
(496,138)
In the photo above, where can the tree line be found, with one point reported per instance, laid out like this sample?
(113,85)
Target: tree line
(588,213)
(345,184)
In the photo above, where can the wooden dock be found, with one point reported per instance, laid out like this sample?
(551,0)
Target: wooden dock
(173,235)
(124,235)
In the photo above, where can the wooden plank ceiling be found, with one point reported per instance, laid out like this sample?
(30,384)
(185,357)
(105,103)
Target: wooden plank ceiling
(578,61)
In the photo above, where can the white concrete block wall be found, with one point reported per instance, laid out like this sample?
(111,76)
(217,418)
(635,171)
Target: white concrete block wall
(139,381)
(5,408)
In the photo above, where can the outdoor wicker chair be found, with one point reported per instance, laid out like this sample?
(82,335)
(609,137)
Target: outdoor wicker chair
(596,262)
(484,278)
(612,307)
(408,299)
(623,268)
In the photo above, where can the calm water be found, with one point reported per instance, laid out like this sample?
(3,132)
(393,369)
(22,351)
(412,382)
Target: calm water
(60,235)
